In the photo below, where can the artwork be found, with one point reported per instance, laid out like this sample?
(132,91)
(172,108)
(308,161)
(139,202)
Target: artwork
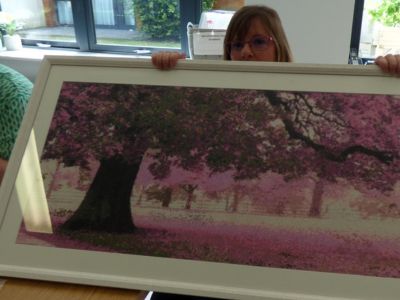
(276,179)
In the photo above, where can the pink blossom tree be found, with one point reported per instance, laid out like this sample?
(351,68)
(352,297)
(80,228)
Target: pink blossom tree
(116,125)
(351,136)
(244,132)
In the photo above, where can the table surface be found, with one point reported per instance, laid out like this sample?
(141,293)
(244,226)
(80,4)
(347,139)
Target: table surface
(18,289)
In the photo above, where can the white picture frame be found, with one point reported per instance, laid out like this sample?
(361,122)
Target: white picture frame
(182,276)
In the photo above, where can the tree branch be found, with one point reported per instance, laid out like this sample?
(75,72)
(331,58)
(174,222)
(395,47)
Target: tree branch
(383,156)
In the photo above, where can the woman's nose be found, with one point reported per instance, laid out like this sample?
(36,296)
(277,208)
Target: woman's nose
(246,52)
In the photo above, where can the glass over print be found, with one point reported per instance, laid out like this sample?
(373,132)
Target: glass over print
(212,174)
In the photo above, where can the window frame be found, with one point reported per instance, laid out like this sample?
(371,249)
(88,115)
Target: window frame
(356,27)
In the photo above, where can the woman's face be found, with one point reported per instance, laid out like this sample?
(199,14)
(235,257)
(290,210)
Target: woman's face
(256,46)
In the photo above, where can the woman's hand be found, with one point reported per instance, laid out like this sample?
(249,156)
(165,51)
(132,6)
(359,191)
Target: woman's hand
(389,64)
(166,60)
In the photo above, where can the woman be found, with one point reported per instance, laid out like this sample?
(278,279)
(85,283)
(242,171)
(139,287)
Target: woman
(255,33)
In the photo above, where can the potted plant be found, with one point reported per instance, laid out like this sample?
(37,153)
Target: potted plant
(8,28)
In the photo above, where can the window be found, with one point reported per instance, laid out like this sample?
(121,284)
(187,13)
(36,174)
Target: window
(133,26)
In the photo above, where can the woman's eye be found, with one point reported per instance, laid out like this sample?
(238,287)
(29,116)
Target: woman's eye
(237,45)
(259,41)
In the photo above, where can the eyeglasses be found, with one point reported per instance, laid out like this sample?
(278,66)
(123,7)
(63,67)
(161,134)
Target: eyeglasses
(257,43)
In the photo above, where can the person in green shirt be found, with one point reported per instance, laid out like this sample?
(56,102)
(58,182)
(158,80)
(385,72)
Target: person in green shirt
(15,91)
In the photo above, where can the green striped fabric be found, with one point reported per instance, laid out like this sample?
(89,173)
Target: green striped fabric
(15,91)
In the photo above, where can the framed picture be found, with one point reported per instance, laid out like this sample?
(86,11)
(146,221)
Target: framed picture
(223,179)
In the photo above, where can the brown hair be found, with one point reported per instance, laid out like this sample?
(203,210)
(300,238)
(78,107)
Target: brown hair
(241,22)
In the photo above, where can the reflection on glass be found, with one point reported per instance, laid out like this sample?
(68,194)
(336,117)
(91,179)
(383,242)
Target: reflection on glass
(30,191)
(213,174)
(47,20)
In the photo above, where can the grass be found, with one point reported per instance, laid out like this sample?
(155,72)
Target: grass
(268,246)
(139,43)
(142,242)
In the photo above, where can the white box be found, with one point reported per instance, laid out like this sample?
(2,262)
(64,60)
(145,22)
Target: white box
(205,43)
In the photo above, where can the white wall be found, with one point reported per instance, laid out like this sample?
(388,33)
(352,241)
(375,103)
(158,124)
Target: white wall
(319,31)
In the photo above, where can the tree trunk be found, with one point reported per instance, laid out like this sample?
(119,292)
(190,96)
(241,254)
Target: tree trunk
(189,200)
(316,203)
(235,202)
(54,179)
(106,206)
(189,188)
(227,203)
(166,197)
